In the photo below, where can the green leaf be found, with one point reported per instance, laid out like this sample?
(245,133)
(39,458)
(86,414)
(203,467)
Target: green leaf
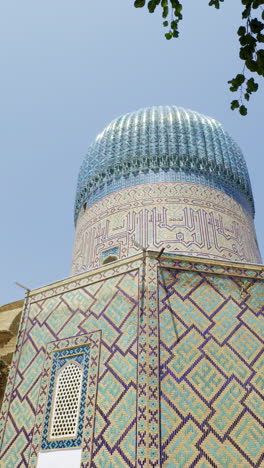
(236,82)
(233,86)
(260,37)
(246,53)
(178,8)
(246,12)
(168,35)
(251,65)
(260,53)
(243,110)
(256,26)
(234,104)
(165,23)
(151,6)
(241,31)
(260,62)
(257,3)
(139,3)
(248,40)
(215,3)
(165,12)
(178,15)
(246,96)
(252,86)
(240,79)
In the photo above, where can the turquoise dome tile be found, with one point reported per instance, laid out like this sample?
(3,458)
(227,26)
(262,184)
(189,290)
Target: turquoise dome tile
(163,143)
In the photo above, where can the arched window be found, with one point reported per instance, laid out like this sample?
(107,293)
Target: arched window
(110,255)
(109,259)
(66,398)
(66,402)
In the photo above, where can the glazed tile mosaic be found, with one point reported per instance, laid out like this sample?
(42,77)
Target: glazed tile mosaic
(181,217)
(107,308)
(209,352)
(162,140)
(114,251)
(175,366)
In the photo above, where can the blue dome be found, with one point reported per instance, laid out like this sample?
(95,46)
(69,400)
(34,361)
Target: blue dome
(163,143)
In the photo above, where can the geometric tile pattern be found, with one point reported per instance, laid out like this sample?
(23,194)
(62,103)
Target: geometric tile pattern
(108,308)
(212,411)
(155,139)
(87,346)
(148,417)
(175,367)
(186,218)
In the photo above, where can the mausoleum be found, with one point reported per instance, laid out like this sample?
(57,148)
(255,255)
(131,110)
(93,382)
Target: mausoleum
(151,353)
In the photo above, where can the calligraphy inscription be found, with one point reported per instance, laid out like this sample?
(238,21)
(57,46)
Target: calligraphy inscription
(184,218)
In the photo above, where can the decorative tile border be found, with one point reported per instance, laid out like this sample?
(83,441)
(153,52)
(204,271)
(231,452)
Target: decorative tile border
(184,262)
(87,278)
(148,424)
(13,369)
(212,266)
(81,354)
(93,341)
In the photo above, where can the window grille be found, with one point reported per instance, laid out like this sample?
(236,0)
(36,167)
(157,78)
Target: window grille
(65,408)
(64,423)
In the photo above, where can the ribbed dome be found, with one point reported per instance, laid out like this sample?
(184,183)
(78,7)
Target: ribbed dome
(165,143)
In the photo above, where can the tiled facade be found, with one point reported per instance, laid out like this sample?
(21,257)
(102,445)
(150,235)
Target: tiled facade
(175,366)
(164,344)
(183,218)
(10,315)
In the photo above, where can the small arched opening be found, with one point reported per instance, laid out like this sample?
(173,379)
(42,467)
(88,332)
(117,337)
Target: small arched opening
(109,259)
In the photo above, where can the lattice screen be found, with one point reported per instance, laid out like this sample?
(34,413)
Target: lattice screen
(64,422)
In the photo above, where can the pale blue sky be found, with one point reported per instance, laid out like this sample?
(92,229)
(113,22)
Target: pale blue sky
(67,69)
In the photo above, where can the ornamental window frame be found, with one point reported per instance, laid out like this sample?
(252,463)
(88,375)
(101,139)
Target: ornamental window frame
(110,255)
(55,401)
(61,358)
(41,443)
